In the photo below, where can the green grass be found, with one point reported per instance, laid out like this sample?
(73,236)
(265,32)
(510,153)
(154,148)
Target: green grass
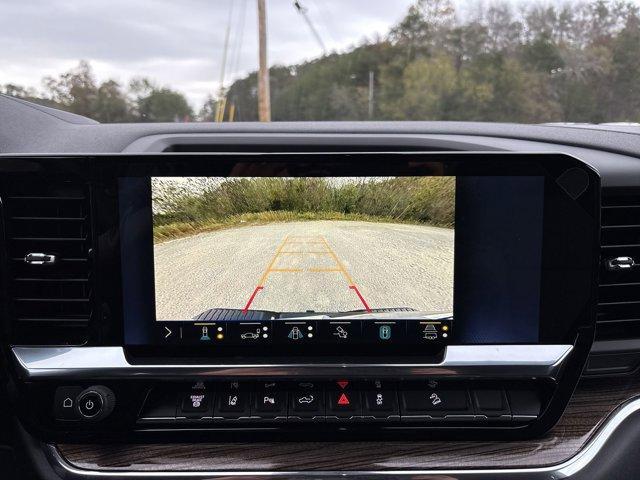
(235,202)
(172,231)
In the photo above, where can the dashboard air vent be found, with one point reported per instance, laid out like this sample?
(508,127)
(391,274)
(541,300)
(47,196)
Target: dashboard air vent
(48,247)
(619,293)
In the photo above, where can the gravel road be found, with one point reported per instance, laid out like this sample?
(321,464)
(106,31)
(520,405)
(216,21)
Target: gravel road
(306,266)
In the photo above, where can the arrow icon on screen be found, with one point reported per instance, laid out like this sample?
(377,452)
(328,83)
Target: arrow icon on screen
(169,332)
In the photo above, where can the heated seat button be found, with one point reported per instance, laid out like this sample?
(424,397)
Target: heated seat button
(434,402)
(64,403)
(380,403)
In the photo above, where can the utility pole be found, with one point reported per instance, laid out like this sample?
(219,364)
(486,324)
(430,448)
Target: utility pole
(222,98)
(370,94)
(264,98)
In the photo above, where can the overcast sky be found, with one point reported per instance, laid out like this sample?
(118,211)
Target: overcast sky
(178,43)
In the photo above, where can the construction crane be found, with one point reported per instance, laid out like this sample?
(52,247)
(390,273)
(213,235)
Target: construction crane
(303,11)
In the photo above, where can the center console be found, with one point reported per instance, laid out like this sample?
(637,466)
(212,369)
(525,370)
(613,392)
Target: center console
(287,293)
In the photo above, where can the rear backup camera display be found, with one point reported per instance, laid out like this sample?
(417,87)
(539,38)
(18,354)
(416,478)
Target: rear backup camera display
(303,247)
(319,261)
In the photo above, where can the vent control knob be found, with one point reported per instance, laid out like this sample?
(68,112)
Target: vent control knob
(39,259)
(95,403)
(621,263)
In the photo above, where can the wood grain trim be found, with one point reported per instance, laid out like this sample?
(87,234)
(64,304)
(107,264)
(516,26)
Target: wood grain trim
(590,405)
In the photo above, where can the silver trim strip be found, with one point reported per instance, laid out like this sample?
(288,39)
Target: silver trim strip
(565,469)
(77,363)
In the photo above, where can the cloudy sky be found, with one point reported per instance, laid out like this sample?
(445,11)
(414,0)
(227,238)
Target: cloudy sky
(177,43)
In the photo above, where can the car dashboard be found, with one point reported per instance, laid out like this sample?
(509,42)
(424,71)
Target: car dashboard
(124,355)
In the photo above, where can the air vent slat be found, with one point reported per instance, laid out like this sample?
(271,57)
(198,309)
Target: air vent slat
(51,302)
(44,279)
(57,320)
(620,236)
(612,227)
(45,219)
(626,320)
(636,284)
(49,239)
(53,198)
(21,259)
(619,293)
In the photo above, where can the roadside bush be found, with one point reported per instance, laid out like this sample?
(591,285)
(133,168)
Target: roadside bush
(429,200)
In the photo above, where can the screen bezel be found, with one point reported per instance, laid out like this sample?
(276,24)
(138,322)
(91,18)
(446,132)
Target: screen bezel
(559,329)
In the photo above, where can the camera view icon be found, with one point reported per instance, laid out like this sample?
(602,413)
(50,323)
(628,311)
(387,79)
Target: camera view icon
(341,332)
(251,335)
(295,334)
(298,333)
(205,335)
(430,332)
(384,332)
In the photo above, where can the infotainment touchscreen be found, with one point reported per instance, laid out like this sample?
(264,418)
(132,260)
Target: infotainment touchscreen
(334,263)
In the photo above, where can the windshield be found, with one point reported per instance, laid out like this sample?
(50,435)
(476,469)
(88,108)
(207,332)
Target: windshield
(277,60)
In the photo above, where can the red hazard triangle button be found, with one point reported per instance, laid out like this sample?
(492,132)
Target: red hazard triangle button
(342,384)
(344,400)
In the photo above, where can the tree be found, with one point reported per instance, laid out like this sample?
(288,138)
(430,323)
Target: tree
(504,32)
(208,111)
(626,71)
(424,27)
(429,86)
(350,102)
(29,94)
(466,43)
(542,54)
(75,89)
(111,104)
(159,104)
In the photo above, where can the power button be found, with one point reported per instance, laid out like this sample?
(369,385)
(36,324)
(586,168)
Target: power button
(95,403)
(90,404)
